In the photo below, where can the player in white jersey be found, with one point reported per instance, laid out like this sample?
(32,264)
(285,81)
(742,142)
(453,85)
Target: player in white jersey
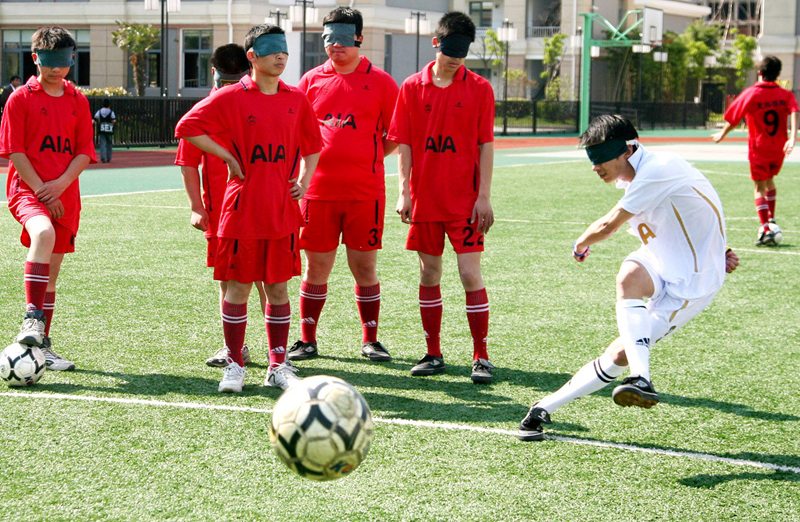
(676,213)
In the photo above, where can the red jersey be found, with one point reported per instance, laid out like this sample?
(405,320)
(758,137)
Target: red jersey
(268,135)
(51,132)
(765,107)
(354,111)
(444,128)
(214,177)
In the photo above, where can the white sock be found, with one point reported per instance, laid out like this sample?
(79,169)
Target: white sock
(633,321)
(594,376)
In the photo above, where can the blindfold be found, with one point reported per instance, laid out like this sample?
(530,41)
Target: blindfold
(455,45)
(342,34)
(63,57)
(222,79)
(267,44)
(606,151)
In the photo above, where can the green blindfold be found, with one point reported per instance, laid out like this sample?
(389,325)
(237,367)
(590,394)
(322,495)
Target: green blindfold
(342,34)
(63,57)
(222,79)
(606,151)
(272,43)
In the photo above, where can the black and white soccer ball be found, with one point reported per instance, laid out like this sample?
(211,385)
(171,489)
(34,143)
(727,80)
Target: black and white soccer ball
(774,234)
(22,365)
(321,428)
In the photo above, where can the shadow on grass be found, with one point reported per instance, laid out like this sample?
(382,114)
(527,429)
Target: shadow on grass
(706,481)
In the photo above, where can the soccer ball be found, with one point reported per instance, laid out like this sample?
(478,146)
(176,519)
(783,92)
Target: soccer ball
(22,365)
(774,234)
(321,428)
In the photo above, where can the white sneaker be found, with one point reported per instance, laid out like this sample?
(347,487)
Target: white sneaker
(220,357)
(32,331)
(232,378)
(54,361)
(282,376)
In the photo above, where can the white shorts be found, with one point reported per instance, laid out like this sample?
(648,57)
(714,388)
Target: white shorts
(668,313)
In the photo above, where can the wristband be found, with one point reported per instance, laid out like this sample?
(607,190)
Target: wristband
(576,254)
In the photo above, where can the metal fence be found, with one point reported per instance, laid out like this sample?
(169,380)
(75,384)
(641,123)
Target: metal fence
(534,117)
(146,120)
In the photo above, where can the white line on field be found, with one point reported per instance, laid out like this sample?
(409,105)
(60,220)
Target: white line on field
(767,251)
(129,193)
(135,206)
(415,423)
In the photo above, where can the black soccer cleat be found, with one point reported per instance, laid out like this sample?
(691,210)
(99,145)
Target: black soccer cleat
(482,371)
(531,426)
(375,351)
(635,391)
(429,365)
(301,351)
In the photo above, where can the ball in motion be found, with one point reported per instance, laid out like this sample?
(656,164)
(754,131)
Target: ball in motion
(321,428)
(774,234)
(22,365)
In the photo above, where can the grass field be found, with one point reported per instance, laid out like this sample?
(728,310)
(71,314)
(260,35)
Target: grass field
(139,432)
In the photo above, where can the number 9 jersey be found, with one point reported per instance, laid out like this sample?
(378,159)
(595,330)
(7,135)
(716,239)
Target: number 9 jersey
(765,107)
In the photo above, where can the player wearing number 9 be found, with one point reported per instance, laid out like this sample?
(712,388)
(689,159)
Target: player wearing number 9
(766,107)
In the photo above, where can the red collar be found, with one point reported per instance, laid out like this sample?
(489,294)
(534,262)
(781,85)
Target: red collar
(427,74)
(34,85)
(250,84)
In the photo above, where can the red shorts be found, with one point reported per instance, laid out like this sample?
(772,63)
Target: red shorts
(359,223)
(26,207)
(428,237)
(761,170)
(249,260)
(211,251)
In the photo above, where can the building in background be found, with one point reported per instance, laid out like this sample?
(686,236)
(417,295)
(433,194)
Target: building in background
(202,25)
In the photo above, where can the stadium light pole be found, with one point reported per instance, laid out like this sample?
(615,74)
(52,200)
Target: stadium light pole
(305,12)
(508,35)
(418,24)
(274,18)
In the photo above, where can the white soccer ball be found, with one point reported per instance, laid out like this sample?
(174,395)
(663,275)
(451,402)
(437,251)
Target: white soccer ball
(774,234)
(321,428)
(22,365)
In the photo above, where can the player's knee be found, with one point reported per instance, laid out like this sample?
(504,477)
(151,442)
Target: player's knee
(364,272)
(43,236)
(632,282)
(471,277)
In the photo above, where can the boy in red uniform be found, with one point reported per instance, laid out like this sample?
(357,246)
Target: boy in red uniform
(47,135)
(444,123)
(229,64)
(765,106)
(266,128)
(353,101)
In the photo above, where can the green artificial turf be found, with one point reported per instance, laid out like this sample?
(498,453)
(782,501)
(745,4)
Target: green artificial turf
(137,311)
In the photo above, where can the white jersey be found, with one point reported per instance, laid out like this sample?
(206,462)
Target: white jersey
(678,217)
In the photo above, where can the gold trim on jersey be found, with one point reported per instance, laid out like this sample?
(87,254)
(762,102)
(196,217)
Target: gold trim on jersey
(714,208)
(671,317)
(686,235)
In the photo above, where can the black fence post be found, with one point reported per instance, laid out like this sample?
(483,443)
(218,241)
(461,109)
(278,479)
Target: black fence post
(534,117)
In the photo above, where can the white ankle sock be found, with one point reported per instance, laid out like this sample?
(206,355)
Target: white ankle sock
(593,376)
(633,321)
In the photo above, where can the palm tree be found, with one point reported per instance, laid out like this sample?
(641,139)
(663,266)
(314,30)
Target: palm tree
(137,39)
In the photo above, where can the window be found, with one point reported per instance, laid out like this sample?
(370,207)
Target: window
(315,51)
(17,58)
(481,13)
(81,71)
(387,53)
(197,49)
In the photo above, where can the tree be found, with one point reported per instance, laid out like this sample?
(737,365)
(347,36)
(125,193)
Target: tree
(518,83)
(553,56)
(492,51)
(744,45)
(137,39)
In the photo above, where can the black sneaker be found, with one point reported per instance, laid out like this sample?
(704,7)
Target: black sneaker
(375,351)
(301,351)
(482,371)
(429,365)
(531,426)
(635,391)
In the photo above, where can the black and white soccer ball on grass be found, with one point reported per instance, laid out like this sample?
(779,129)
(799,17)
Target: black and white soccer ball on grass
(774,234)
(321,428)
(22,365)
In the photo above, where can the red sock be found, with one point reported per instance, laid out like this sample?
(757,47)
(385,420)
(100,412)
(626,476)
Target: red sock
(48,308)
(278,320)
(37,276)
(234,325)
(430,308)
(763,210)
(478,318)
(368,299)
(771,197)
(312,299)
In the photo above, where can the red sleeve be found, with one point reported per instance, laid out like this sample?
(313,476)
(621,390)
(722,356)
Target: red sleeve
(388,101)
(85,131)
(188,155)
(310,137)
(486,117)
(206,117)
(400,129)
(12,129)
(738,108)
(792,103)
